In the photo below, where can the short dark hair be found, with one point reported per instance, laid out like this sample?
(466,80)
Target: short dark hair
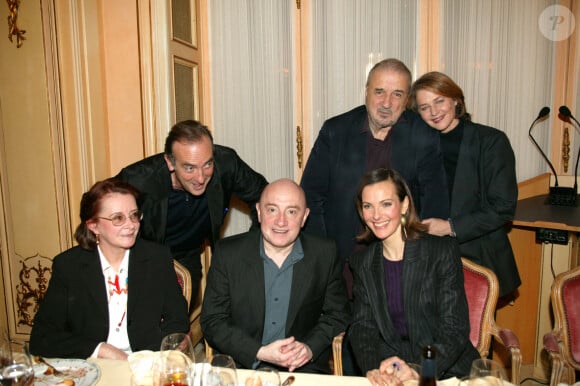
(413,227)
(91,205)
(185,131)
(394,65)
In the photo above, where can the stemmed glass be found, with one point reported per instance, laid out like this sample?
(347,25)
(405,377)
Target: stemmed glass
(486,372)
(16,369)
(266,376)
(174,368)
(222,372)
(180,342)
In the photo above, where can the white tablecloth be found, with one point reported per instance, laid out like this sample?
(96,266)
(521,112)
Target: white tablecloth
(118,373)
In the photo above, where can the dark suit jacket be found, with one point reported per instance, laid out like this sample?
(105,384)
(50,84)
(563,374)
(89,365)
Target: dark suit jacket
(485,194)
(337,163)
(232,316)
(73,318)
(231,176)
(435,307)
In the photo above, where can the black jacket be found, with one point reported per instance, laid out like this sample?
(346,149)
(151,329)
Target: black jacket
(337,163)
(231,176)
(73,318)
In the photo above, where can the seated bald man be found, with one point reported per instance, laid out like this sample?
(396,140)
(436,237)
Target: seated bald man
(276,296)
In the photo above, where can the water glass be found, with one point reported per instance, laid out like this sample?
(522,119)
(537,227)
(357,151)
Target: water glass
(222,372)
(17,370)
(486,372)
(179,341)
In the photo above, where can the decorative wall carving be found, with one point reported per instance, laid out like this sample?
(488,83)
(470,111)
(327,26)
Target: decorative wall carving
(31,288)
(13,29)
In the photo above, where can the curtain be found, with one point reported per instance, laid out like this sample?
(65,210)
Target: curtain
(348,38)
(495,51)
(252,87)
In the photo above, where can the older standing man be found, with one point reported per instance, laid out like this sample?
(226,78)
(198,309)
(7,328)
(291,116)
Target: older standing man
(186,192)
(380,134)
(276,296)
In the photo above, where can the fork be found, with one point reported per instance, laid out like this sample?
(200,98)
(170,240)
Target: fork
(51,367)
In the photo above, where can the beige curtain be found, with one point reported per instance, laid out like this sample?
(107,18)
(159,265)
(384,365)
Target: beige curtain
(252,86)
(495,51)
(349,37)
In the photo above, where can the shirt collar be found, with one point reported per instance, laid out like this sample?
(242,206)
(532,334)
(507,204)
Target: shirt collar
(106,266)
(295,255)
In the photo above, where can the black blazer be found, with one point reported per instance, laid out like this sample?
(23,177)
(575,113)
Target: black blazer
(435,307)
(485,195)
(337,163)
(73,318)
(232,316)
(231,176)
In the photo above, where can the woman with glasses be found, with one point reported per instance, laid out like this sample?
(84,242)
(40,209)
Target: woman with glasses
(113,293)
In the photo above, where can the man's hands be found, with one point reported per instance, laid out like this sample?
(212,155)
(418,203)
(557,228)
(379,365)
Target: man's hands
(286,353)
(437,226)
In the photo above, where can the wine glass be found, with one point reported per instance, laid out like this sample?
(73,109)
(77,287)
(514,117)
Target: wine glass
(180,342)
(266,376)
(486,372)
(174,368)
(222,372)
(17,369)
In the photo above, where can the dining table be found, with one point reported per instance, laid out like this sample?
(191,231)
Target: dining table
(115,372)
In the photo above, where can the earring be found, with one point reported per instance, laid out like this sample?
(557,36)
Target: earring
(98,238)
(404,225)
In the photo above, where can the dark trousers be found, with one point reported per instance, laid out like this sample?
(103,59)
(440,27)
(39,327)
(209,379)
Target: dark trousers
(192,261)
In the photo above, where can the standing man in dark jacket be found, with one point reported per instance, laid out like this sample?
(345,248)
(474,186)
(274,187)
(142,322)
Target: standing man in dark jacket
(186,191)
(380,134)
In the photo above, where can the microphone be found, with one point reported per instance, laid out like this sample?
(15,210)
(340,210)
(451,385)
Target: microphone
(557,195)
(565,111)
(543,113)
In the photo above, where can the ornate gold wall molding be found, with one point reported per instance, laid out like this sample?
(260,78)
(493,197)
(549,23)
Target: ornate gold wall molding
(565,149)
(13,29)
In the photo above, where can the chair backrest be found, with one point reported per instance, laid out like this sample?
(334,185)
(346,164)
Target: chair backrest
(482,291)
(565,296)
(184,280)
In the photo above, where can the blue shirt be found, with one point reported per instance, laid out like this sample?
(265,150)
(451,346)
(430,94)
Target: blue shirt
(278,286)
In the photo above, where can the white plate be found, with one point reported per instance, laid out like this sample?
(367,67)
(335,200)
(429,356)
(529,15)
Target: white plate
(82,372)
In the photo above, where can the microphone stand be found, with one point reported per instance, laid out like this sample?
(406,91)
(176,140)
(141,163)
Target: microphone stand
(558,196)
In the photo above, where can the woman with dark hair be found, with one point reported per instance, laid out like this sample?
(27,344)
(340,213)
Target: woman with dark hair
(113,293)
(481,177)
(408,288)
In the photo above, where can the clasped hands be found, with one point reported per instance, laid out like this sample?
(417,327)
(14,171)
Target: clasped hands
(285,353)
(392,371)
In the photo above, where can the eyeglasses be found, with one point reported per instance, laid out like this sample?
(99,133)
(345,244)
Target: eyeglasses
(119,219)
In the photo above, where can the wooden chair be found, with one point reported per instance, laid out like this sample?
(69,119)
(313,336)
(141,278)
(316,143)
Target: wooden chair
(184,280)
(337,354)
(563,342)
(482,291)
(196,334)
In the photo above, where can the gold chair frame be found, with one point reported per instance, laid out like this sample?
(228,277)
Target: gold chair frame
(558,341)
